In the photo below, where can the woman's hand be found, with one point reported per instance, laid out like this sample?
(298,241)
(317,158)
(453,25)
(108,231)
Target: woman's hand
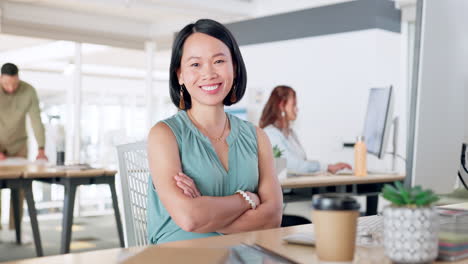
(187,185)
(338,166)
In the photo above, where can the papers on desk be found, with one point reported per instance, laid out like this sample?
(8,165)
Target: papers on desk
(307,239)
(241,254)
(74,167)
(453,234)
(299,174)
(21,162)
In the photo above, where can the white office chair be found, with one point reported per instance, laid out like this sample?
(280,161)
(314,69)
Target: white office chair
(134,175)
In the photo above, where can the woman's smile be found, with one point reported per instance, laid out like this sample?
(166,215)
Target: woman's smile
(211,88)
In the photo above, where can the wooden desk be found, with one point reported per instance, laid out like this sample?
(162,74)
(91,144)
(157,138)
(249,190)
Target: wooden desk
(190,250)
(7,172)
(70,179)
(337,180)
(11,178)
(462,206)
(369,185)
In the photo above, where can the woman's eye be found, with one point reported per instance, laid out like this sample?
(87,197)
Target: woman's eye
(219,61)
(194,64)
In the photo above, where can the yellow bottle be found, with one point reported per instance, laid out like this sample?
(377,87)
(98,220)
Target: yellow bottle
(360,157)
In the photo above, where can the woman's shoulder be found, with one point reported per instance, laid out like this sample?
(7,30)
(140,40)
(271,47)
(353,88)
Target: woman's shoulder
(175,120)
(160,130)
(244,126)
(169,127)
(250,130)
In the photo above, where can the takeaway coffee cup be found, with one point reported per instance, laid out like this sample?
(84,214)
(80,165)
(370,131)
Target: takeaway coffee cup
(335,218)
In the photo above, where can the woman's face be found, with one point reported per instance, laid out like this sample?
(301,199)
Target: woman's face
(206,69)
(290,108)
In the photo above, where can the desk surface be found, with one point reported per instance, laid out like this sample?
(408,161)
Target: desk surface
(328,180)
(214,247)
(9,172)
(42,171)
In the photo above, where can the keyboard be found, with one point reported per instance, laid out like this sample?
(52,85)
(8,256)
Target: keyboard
(345,172)
(351,172)
(369,224)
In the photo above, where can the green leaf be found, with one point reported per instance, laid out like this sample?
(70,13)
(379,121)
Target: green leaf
(427,200)
(277,152)
(395,199)
(399,186)
(406,196)
(390,188)
(433,199)
(422,194)
(390,193)
(417,189)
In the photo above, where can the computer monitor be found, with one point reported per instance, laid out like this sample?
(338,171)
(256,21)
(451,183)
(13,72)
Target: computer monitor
(238,112)
(378,120)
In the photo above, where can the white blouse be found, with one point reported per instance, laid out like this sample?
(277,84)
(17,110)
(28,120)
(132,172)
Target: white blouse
(292,151)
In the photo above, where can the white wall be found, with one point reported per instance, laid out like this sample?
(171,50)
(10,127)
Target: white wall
(441,114)
(332,75)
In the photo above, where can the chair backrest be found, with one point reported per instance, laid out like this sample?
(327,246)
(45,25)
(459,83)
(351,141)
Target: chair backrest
(134,175)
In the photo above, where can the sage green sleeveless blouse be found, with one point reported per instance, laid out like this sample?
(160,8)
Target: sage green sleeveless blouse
(200,162)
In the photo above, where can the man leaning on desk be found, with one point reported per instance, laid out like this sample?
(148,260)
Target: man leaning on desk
(18,99)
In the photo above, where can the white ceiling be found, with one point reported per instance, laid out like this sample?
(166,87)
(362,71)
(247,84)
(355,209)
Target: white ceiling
(31,30)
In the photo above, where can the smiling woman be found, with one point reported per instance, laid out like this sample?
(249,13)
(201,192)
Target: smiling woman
(211,74)
(212,173)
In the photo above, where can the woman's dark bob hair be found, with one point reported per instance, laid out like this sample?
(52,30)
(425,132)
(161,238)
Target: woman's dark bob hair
(218,31)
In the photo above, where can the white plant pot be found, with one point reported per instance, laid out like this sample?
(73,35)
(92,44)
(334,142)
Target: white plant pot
(411,234)
(280,168)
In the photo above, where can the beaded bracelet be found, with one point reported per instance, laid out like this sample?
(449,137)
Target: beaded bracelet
(247,198)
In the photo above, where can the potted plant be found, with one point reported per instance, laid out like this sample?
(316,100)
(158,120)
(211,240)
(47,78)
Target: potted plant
(280,163)
(411,224)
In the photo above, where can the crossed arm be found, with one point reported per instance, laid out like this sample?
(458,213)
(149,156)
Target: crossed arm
(201,214)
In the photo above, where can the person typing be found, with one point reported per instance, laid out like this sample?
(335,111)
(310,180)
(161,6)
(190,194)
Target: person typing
(277,115)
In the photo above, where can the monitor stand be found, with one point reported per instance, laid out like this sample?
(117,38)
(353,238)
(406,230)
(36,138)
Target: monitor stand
(463,172)
(394,153)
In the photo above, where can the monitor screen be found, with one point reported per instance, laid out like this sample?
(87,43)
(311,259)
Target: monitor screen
(239,112)
(378,118)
